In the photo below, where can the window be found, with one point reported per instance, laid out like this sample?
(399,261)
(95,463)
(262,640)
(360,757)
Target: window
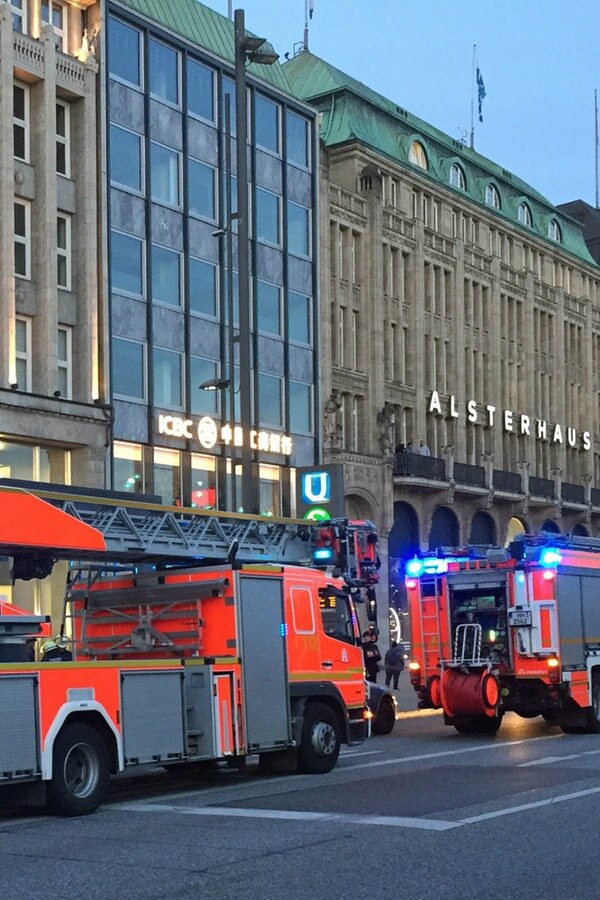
(63,252)
(128,369)
(204,480)
(21,121)
(124,52)
(163,72)
(268,307)
(166,275)
(63,138)
(229,92)
(299,318)
(22,214)
(269,490)
(164,164)
(457,177)
(524,215)
(55,13)
(336,615)
(167,475)
(554,232)
(300,407)
(492,197)
(167,378)
(65,361)
(267,216)
(203,403)
(270,401)
(128,467)
(126,263)
(125,158)
(23,352)
(297,131)
(201,91)
(266,123)
(298,229)
(201,190)
(417,155)
(19,14)
(203,287)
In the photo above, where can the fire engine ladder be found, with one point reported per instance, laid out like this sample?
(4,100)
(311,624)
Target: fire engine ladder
(430,627)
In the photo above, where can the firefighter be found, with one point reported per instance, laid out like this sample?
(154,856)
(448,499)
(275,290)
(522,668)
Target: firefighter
(56,650)
(371,655)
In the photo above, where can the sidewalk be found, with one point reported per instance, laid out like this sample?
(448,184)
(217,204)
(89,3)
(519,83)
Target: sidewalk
(406,698)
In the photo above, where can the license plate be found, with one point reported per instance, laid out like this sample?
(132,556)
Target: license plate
(519,618)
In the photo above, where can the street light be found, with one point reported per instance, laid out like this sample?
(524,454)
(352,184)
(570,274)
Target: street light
(256,50)
(215,384)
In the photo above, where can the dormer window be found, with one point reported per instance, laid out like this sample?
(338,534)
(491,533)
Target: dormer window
(417,155)
(554,232)
(492,197)
(457,177)
(524,215)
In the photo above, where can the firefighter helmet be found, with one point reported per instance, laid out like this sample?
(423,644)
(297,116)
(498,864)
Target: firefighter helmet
(61,641)
(48,645)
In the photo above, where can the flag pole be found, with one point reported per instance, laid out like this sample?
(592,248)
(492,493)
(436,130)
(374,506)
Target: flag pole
(596,144)
(306,25)
(472,141)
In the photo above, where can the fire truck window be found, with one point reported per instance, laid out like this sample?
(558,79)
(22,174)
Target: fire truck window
(335,615)
(303,619)
(485,607)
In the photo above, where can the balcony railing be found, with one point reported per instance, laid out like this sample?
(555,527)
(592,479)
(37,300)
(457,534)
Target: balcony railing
(542,487)
(420,466)
(510,482)
(572,493)
(467,474)
(595,496)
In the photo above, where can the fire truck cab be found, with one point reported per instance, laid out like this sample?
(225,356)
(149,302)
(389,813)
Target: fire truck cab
(509,629)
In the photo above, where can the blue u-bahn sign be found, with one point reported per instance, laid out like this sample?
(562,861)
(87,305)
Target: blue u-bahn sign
(320,492)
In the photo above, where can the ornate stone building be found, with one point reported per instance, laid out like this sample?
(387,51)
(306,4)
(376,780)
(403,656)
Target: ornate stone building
(460,309)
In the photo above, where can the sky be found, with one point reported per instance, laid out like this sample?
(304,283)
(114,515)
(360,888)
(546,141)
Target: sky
(538,58)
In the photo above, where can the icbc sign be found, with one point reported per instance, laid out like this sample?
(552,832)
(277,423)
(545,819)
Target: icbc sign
(208,433)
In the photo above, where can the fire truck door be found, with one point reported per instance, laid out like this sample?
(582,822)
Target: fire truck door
(568,595)
(262,639)
(224,713)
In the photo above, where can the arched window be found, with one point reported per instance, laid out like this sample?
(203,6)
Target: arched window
(524,215)
(492,197)
(457,177)
(554,232)
(417,155)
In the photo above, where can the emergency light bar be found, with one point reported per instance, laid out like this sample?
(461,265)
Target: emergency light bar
(431,566)
(550,557)
(323,554)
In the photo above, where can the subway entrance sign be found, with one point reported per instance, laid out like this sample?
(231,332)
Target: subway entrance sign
(320,492)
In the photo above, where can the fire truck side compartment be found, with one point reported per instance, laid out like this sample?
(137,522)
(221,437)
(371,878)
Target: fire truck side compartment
(153,716)
(262,649)
(578,596)
(18,709)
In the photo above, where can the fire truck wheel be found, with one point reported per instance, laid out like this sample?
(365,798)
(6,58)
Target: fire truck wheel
(320,744)
(477,724)
(81,772)
(384,721)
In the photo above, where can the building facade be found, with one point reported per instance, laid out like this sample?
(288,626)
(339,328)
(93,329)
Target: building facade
(173,273)
(461,313)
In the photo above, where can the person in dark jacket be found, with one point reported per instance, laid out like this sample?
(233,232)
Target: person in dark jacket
(56,650)
(371,655)
(394,664)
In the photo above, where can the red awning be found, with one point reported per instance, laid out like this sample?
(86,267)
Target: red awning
(27,521)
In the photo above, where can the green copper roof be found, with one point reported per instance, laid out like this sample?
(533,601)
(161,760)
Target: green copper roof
(351,111)
(204,27)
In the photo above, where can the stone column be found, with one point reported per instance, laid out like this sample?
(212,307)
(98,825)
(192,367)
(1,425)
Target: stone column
(7,173)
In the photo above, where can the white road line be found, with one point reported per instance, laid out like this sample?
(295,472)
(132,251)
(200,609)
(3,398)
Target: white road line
(554,759)
(351,754)
(510,810)
(293,815)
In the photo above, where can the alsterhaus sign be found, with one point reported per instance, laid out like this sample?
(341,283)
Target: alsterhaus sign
(510,421)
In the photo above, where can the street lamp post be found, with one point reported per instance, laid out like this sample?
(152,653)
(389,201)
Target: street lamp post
(247,49)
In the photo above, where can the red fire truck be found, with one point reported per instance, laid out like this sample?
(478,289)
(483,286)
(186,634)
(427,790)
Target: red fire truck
(196,637)
(517,628)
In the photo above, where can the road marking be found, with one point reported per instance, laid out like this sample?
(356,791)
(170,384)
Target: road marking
(352,754)
(418,714)
(510,810)
(554,759)
(292,815)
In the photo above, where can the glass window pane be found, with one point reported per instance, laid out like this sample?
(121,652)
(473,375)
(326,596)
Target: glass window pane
(298,229)
(201,90)
(128,368)
(17,461)
(125,158)
(297,139)
(165,174)
(20,218)
(201,189)
(124,52)
(299,317)
(167,377)
(126,263)
(167,476)
(163,72)
(266,116)
(128,470)
(269,394)
(204,482)
(166,275)
(20,336)
(229,91)
(203,402)
(203,287)
(267,216)
(300,407)
(268,301)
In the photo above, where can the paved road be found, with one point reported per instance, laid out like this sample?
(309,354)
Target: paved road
(421,813)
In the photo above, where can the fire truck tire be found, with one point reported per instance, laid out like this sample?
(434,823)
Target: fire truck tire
(320,743)
(80,772)
(477,724)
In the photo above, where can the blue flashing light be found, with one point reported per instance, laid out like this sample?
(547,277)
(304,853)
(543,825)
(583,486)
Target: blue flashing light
(520,576)
(323,554)
(550,557)
(435,565)
(283,629)
(414,567)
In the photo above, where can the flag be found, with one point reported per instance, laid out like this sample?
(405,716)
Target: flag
(311,8)
(480,92)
